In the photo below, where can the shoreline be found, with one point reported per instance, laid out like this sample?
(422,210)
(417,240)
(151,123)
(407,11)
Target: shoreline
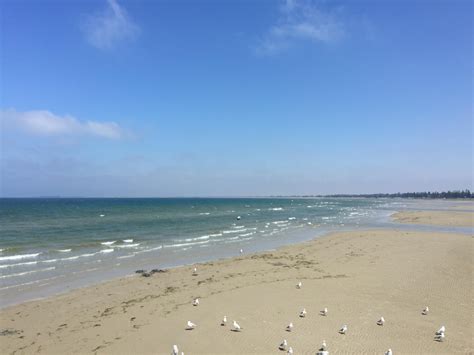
(146,315)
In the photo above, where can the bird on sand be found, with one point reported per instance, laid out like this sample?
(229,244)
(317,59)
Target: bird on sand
(236,327)
(195,271)
(290,351)
(283,345)
(323,346)
(303,313)
(388,352)
(196,302)
(289,327)
(343,330)
(324,312)
(299,285)
(381,321)
(425,311)
(190,325)
(441,330)
(440,337)
(224,321)
(175,350)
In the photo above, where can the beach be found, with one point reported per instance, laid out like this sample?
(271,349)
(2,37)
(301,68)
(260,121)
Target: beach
(437,218)
(358,275)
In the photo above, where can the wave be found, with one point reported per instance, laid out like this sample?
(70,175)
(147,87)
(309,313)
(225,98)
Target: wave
(197,238)
(124,246)
(148,250)
(276,209)
(291,218)
(107,251)
(186,244)
(215,235)
(64,250)
(18,257)
(204,213)
(238,227)
(27,272)
(246,234)
(19,264)
(234,231)
(128,240)
(108,243)
(126,256)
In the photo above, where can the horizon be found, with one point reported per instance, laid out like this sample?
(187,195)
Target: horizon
(158,99)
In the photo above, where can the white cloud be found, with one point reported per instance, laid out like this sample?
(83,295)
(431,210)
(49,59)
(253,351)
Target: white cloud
(45,123)
(302,20)
(105,30)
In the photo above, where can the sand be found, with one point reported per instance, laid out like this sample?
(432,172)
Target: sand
(439,218)
(359,276)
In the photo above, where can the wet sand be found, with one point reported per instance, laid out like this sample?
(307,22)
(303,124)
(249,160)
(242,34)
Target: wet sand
(359,276)
(439,218)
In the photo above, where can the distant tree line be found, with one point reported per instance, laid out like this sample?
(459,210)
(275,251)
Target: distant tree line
(435,194)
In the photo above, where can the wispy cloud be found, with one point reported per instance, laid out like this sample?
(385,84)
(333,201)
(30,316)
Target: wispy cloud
(45,123)
(302,20)
(105,30)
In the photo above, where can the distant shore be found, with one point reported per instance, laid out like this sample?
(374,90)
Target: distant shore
(359,276)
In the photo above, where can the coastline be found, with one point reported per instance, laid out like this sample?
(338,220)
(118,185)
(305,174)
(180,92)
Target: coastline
(358,275)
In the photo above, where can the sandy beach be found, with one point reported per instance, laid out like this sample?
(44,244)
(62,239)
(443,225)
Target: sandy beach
(439,218)
(359,276)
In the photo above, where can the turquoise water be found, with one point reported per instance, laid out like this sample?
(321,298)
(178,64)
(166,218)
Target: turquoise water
(52,245)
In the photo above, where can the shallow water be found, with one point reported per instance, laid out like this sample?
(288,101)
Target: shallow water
(53,245)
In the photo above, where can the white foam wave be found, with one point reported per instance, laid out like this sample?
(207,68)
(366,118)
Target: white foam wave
(186,244)
(19,264)
(108,243)
(125,246)
(246,234)
(276,209)
(215,235)
(204,213)
(291,218)
(234,231)
(105,251)
(197,238)
(128,240)
(19,257)
(126,256)
(64,250)
(27,272)
(238,227)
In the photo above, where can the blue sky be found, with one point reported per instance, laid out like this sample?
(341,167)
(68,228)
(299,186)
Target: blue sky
(235,98)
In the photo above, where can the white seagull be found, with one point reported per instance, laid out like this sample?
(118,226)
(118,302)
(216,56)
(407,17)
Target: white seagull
(236,327)
(303,313)
(195,271)
(299,285)
(190,325)
(289,327)
(323,346)
(425,311)
(343,330)
(196,302)
(381,321)
(388,352)
(241,251)
(440,337)
(441,330)
(224,321)
(283,345)
(290,351)
(324,312)
(175,350)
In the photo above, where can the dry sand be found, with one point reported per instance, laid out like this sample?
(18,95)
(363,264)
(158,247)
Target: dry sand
(359,276)
(439,218)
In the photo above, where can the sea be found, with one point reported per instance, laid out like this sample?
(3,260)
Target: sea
(52,245)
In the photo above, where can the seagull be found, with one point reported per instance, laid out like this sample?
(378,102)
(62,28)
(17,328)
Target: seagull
(195,271)
(236,327)
(290,351)
(238,218)
(343,330)
(190,325)
(425,311)
(283,345)
(224,321)
(441,330)
(323,346)
(303,313)
(324,352)
(289,327)
(388,352)
(324,312)
(299,285)
(175,350)
(196,302)
(381,321)
(241,251)
(440,337)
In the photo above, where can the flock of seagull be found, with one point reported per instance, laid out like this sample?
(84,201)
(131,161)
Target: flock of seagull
(439,335)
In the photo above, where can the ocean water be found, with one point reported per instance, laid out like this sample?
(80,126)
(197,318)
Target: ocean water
(49,246)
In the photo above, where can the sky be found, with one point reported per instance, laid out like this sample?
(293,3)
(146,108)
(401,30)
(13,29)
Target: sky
(161,98)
